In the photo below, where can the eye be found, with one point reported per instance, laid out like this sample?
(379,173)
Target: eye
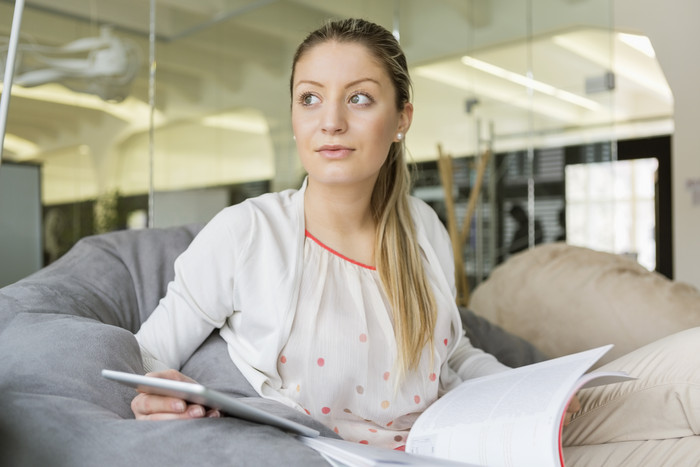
(308,99)
(361,99)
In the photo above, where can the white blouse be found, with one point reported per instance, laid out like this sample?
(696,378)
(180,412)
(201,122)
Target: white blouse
(338,363)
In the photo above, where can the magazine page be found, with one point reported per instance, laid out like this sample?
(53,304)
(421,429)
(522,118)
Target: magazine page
(511,418)
(340,453)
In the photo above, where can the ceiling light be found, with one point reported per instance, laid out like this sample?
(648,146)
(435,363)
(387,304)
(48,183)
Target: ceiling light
(131,110)
(644,72)
(246,122)
(531,83)
(500,93)
(639,43)
(22,148)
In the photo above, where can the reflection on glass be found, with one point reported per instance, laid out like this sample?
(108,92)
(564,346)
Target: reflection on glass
(525,71)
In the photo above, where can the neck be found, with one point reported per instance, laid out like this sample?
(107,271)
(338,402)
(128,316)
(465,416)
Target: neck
(339,209)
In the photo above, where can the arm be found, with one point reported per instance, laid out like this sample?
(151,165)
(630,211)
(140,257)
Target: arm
(199,299)
(470,362)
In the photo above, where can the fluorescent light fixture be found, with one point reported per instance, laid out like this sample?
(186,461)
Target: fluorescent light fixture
(645,73)
(246,122)
(639,43)
(130,110)
(499,92)
(24,149)
(531,83)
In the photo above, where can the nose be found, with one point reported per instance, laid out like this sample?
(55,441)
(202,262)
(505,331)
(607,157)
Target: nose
(334,119)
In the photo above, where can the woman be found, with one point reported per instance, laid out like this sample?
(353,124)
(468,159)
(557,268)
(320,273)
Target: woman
(338,298)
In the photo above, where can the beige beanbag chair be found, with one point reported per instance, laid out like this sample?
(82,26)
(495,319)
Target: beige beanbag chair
(565,299)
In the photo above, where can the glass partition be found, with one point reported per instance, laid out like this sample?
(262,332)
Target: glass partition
(512,92)
(77,98)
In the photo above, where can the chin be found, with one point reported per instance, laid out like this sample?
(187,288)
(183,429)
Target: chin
(341,179)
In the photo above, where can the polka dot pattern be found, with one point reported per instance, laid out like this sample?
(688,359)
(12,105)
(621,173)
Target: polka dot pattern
(335,363)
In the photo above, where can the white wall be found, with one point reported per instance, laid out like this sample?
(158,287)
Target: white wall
(173,208)
(673,27)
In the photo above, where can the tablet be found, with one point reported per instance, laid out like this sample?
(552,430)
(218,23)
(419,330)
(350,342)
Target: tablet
(198,394)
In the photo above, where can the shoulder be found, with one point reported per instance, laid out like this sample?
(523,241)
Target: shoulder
(277,203)
(237,227)
(268,208)
(432,235)
(425,218)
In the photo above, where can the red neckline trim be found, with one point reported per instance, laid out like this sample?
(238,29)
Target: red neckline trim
(357,263)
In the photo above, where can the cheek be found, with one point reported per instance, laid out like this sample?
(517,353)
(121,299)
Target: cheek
(301,133)
(295,125)
(384,132)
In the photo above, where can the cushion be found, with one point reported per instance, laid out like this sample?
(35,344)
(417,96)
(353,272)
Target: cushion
(509,349)
(564,299)
(116,278)
(61,326)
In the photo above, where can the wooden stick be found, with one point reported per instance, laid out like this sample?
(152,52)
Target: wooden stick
(474,195)
(446,171)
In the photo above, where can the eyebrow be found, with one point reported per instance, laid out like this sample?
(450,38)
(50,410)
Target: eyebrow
(349,85)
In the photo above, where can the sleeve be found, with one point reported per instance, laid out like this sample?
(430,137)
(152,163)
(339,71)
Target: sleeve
(437,238)
(200,297)
(151,363)
(470,362)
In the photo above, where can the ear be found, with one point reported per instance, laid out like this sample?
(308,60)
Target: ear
(405,118)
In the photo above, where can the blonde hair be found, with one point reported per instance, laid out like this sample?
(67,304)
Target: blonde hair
(397,253)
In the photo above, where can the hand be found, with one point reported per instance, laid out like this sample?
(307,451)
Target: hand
(154,407)
(573,407)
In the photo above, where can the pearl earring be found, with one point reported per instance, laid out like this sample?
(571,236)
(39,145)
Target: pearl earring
(399,136)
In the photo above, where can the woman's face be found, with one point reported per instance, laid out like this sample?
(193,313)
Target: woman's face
(344,114)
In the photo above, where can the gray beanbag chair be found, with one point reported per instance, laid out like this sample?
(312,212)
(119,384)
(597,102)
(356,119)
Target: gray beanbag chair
(61,326)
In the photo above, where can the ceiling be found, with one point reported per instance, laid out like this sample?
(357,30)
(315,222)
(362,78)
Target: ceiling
(534,75)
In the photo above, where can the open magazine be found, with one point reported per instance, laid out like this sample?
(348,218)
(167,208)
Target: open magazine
(513,418)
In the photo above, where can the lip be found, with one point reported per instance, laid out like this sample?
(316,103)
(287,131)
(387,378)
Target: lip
(334,151)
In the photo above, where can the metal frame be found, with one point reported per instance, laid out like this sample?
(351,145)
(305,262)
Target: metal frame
(9,71)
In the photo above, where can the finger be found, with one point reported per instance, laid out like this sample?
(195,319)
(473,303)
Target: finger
(146,404)
(574,405)
(191,411)
(168,416)
(213,413)
(567,418)
(195,411)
